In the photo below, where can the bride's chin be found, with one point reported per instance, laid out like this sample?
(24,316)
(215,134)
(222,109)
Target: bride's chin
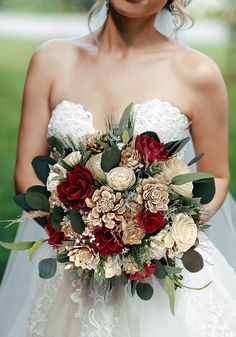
(131,8)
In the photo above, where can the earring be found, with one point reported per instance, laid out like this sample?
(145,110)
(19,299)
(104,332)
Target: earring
(107,2)
(175,14)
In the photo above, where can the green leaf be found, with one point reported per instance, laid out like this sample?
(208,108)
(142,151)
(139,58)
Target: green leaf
(192,261)
(19,199)
(204,189)
(110,159)
(17,245)
(152,135)
(196,159)
(173,270)
(57,216)
(178,283)
(41,167)
(175,146)
(188,177)
(54,142)
(160,271)
(133,286)
(125,136)
(170,287)
(124,121)
(144,291)
(33,250)
(47,268)
(65,165)
(76,220)
(40,189)
(37,201)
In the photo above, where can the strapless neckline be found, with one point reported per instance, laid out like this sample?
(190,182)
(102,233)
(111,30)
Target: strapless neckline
(90,114)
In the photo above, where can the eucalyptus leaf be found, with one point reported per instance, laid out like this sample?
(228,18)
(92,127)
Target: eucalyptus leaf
(125,136)
(76,220)
(41,167)
(204,189)
(33,250)
(144,291)
(173,270)
(160,271)
(170,287)
(47,268)
(57,216)
(133,286)
(17,245)
(196,159)
(19,199)
(189,177)
(39,188)
(175,146)
(124,121)
(192,261)
(110,158)
(37,201)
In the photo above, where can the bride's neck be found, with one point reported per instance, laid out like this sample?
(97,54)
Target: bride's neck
(122,33)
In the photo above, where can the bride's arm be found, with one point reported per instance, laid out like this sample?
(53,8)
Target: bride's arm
(210,124)
(32,138)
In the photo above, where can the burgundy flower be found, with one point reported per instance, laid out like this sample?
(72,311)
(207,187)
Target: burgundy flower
(78,186)
(107,241)
(150,149)
(141,275)
(55,237)
(151,222)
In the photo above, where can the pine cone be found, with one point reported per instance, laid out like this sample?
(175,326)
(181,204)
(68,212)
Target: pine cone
(93,146)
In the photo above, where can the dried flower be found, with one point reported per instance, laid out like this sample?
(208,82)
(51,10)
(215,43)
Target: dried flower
(84,256)
(94,166)
(107,208)
(130,158)
(174,167)
(112,266)
(133,233)
(92,144)
(121,178)
(129,266)
(68,230)
(153,193)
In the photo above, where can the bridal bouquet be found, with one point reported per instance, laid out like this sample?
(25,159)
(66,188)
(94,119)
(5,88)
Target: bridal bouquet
(118,205)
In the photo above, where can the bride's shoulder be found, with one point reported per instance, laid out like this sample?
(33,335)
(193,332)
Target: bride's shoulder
(197,69)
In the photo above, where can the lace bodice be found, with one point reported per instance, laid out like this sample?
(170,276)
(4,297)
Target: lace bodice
(72,120)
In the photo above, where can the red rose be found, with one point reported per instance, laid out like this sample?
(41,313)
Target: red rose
(55,237)
(107,241)
(150,149)
(151,222)
(141,275)
(78,186)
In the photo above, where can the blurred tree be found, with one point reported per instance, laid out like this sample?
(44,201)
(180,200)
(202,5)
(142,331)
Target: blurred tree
(227,13)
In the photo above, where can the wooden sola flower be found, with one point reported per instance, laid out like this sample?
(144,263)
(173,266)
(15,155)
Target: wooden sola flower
(107,208)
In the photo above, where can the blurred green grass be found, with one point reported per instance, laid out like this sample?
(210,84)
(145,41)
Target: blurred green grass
(15,55)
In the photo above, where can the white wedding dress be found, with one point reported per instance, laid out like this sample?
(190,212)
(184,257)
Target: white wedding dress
(33,307)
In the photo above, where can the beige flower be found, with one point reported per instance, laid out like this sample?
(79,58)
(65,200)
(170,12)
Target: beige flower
(68,230)
(73,158)
(129,266)
(84,256)
(112,266)
(56,175)
(107,208)
(133,233)
(183,234)
(130,158)
(92,145)
(153,194)
(174,167)
(94,166)
(157,244)
(121,178)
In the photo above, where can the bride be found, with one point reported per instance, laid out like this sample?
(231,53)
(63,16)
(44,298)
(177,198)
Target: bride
(71,87)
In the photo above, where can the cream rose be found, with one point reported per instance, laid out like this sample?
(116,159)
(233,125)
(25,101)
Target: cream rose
(84,256)
(112,267)
(183,233)
(121,178)
(94,166)
(133,233)
(174,167)
(157,244)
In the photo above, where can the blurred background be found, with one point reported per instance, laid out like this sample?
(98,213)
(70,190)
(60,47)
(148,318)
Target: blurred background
(25,24)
